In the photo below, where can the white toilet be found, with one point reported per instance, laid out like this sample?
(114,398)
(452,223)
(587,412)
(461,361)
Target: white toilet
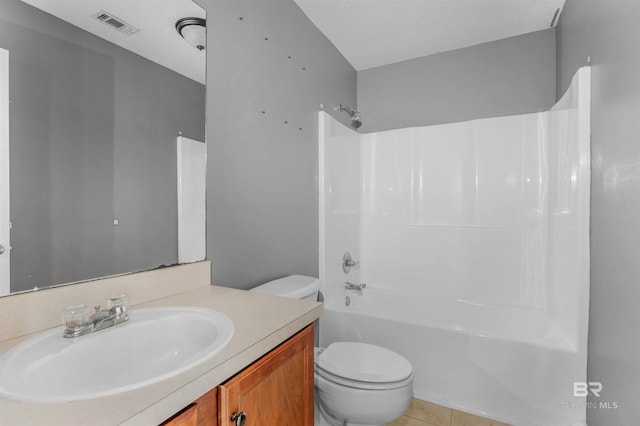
(355,383)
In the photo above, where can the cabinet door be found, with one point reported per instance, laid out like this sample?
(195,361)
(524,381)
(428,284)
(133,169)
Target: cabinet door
(208,408)
(276,390)
(186,417)
(203,412)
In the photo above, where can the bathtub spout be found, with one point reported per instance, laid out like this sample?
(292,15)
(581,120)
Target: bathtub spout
(355,287)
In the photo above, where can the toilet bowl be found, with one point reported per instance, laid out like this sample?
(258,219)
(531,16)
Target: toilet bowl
(361,384)
(355,383)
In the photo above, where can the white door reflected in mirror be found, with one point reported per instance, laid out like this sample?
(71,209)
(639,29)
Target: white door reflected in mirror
(5,224)
(192,167)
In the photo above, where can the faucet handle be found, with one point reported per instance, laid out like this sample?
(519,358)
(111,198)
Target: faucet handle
(76,316)
(119,300)
(118,304)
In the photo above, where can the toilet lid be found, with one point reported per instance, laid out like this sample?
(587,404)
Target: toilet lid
(364,362)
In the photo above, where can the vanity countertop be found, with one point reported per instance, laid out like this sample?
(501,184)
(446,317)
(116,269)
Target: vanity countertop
(261,322)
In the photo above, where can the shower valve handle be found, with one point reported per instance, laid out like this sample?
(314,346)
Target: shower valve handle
(348,263)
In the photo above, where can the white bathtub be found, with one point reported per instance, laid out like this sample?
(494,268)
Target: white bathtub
(505,363)
(474,240)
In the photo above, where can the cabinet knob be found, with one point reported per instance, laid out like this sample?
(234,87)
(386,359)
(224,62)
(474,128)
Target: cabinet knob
(240,418)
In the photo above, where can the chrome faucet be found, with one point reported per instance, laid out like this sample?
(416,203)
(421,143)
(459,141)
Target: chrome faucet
(79,322)
(355,287)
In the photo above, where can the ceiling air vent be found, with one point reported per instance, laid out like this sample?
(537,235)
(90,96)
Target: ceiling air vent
(115,22)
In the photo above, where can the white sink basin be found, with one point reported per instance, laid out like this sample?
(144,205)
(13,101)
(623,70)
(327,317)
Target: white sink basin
(156,343)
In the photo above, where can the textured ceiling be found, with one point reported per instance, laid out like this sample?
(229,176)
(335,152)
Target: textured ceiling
(370,33)
(157,39)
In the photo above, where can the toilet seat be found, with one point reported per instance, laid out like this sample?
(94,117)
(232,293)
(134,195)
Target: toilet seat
(363,366)
(361,385)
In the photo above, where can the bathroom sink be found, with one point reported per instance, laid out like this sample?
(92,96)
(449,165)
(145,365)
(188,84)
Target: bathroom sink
(155,344)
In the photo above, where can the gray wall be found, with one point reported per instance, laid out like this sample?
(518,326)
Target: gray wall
(609,32)
(510,76)
(93,138)
(262,191)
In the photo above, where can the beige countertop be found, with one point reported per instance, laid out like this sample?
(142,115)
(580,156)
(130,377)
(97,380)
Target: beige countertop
(261,322)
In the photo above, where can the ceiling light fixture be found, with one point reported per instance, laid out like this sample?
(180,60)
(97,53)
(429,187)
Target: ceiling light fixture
(193,30)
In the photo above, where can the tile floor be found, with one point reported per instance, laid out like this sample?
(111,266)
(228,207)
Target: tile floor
(423,413)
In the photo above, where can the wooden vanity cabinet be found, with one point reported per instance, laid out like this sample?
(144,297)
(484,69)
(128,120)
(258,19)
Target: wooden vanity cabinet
(186,417)
(203,412)
(277,389)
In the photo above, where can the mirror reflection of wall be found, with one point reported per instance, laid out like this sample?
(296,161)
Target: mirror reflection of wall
(93,130)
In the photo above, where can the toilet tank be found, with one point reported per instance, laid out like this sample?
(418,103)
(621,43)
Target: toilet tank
(293,286)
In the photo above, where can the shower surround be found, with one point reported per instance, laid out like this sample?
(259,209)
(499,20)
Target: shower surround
(473,241)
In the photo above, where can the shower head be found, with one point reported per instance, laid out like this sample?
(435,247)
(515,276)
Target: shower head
(353,115)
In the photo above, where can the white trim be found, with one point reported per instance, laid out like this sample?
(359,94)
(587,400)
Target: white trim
(321,202)
(5,258)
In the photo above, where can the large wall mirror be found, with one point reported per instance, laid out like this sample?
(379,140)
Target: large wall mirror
(99,97)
